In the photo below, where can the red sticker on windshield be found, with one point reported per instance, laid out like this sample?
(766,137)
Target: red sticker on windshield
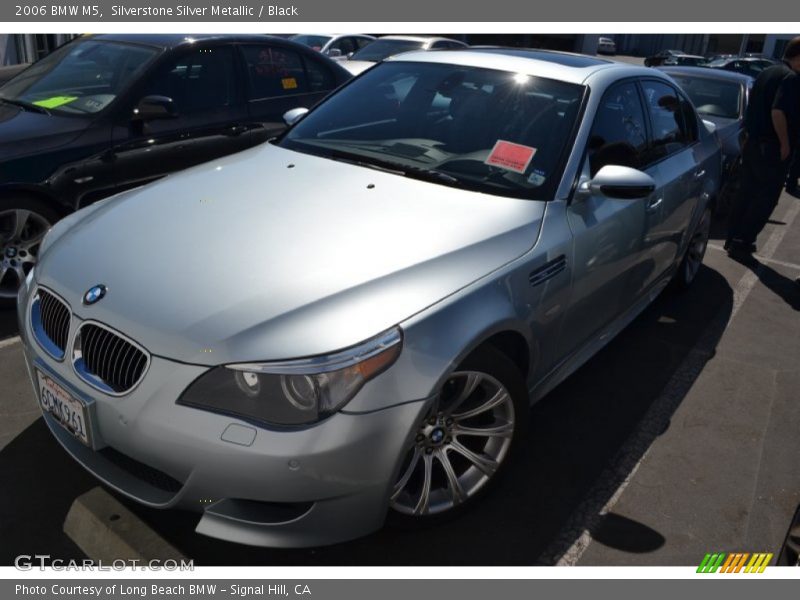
(507,155)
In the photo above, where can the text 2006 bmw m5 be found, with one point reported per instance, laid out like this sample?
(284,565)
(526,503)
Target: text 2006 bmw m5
(350,321)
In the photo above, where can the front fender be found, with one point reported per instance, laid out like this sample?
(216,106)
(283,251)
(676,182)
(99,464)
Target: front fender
(439,338)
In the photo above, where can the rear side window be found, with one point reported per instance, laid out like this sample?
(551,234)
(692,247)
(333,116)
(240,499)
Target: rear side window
(619,134)
(672,119)
(274,72)
(320,77)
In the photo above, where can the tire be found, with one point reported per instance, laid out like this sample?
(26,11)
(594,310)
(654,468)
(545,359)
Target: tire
(490,374)
(695,251)
(20,240)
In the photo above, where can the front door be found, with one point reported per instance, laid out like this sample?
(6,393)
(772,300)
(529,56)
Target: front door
(204,87)
(608,233)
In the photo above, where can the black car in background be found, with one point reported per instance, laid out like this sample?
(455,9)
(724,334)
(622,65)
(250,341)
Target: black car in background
(106,113)
(720,97)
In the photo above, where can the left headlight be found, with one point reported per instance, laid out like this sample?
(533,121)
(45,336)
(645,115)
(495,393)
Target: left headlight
(295,392)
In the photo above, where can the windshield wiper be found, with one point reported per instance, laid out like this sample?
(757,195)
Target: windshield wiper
(25,105)
(392,167)
(347,158)
(431,174)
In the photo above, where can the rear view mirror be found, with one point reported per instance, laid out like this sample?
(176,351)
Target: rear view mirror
(290,117)
(625,183)
(335,53)
(155,107)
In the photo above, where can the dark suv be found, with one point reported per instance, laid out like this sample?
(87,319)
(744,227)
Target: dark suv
(106,113)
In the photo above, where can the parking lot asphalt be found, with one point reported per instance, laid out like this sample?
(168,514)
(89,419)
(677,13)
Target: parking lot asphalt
(679,438)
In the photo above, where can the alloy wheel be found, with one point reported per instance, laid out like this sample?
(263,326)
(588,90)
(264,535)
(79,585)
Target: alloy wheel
(459,446)
(21,233)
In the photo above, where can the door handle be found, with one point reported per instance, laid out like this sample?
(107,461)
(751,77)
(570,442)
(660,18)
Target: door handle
(699,174)
(654,203)
(238,129)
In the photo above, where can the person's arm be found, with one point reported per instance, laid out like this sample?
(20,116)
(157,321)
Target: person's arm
(785,103)
(781,130)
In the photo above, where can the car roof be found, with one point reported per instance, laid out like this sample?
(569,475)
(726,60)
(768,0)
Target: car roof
(563,66)
(168,41)
(334,35)
(416,38)
(708,73)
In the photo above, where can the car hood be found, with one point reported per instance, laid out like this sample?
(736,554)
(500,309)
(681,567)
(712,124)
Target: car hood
(273,254)
(23,132)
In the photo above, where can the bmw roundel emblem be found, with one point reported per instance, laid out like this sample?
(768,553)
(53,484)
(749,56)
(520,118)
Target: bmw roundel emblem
(94,294)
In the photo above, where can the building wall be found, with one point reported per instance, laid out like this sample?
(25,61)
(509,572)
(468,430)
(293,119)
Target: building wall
(775,43)
(8,50)
(16,48)
(645,44)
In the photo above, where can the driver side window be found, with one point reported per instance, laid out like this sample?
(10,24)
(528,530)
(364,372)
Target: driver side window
(198,82)
(618,136)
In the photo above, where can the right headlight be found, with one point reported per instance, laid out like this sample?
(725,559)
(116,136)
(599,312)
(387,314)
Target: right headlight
(295,392)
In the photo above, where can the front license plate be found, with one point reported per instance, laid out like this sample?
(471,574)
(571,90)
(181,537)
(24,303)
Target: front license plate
(65,408)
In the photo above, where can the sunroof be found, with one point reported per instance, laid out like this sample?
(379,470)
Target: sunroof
(567,60)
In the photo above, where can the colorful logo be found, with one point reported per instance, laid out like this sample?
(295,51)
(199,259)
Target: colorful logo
(735,562)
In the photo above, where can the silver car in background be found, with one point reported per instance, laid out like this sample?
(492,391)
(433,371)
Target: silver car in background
(391,45)
(352,321)
(337,46)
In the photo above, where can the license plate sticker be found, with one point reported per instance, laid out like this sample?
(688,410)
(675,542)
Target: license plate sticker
(65,408)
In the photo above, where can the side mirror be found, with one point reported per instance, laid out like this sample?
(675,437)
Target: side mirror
(711,127)
(335,53)
(290,117)
(151,108)
(625,183)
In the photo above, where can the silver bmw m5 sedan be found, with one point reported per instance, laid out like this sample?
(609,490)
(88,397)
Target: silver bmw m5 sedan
(349,322)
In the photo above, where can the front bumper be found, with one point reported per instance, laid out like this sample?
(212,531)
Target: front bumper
(318,485)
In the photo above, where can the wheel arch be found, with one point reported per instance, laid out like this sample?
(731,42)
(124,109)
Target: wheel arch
(34,191)
(439,339)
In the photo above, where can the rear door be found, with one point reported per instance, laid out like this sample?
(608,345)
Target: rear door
(279,79)
(671,159)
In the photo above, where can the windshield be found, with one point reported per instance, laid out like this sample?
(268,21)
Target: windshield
(315,42)
(380,49)
(79,78)
(491,131)
(712,97)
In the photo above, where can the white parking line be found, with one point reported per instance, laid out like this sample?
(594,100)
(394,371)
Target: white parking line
(624,466)
(772,261)
(9,342)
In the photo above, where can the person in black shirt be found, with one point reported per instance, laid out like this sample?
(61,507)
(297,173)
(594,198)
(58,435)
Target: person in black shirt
(794,173)
(772,125)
